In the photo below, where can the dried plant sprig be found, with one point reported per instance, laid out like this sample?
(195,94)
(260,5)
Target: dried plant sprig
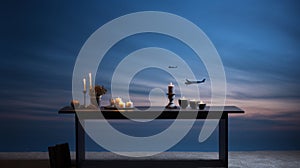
(100,90)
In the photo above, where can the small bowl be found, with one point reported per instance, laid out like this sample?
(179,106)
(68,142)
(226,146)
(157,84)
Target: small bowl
(201,106)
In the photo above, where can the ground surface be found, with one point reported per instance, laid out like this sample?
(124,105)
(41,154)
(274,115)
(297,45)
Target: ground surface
(253,159)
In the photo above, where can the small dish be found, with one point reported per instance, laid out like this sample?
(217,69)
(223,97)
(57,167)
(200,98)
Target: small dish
(201,106)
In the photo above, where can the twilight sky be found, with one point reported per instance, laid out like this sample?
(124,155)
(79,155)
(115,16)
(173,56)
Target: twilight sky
(258,42)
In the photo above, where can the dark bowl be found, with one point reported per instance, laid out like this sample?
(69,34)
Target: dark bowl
(202,106)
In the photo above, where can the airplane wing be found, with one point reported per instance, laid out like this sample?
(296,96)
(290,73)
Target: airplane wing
(188,82)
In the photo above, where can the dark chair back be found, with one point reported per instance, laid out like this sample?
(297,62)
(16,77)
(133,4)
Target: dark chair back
(60,156)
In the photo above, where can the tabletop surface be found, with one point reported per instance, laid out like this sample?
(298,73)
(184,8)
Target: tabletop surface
(142,112)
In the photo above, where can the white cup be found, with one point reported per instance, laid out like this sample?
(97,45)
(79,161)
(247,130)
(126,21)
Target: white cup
(193,104)
(183,103)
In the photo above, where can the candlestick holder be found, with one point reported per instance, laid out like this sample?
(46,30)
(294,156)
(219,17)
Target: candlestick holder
(84,98)
(171,104)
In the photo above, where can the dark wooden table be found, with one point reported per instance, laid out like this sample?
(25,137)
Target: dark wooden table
(111,114)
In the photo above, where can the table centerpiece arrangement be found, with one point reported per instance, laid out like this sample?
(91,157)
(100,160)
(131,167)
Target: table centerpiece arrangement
(95,93)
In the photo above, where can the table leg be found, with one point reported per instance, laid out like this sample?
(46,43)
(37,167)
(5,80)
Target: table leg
(223,139)
(80,144)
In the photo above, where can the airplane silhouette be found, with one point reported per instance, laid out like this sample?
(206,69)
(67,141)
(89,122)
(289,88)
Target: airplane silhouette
(172,66)
(188,82)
